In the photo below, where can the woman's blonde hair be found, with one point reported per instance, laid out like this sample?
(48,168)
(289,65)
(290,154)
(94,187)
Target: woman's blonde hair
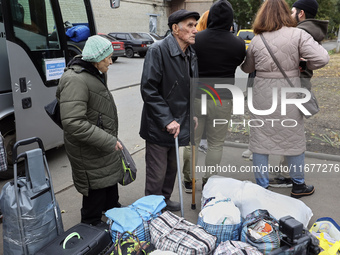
(273,15)
(202,22)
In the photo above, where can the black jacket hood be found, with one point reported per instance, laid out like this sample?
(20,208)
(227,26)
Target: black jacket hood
(221,15)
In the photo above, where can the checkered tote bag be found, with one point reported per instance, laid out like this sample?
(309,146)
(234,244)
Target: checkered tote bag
(172,233)
(3,155)
(236,248)
(221,231)
(266,243)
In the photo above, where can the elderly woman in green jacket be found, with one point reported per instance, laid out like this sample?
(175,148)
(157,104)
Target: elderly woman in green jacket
(90,123)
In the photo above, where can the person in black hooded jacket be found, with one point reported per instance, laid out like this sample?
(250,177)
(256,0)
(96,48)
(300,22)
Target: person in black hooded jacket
(219,52)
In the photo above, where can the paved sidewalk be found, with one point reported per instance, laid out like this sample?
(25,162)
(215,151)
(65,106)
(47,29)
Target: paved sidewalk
(323,202)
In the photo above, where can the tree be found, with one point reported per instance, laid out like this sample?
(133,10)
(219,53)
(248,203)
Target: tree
(245,11)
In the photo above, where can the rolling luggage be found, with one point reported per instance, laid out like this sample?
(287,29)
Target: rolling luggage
(81,239)
(31,213)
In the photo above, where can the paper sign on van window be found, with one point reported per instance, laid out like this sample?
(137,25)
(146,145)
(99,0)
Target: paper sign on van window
(54,68)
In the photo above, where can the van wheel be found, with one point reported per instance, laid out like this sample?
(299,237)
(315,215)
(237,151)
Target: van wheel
(114,59)
(129,52)
(73,51)
(142,54)
(9,134)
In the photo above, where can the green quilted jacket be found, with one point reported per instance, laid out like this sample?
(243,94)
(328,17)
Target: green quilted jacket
(90,122)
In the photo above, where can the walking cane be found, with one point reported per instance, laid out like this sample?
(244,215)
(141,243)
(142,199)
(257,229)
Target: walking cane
(179,177)
(193,202)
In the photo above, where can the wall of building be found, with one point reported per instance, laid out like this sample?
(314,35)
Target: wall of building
(198,5)
(134,15)
(131,16)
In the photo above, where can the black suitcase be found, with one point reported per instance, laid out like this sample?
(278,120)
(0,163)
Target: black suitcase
(81,239)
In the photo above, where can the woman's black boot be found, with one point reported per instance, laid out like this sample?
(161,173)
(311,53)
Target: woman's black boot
(301,190)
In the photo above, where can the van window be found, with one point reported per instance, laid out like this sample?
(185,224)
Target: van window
(31,27)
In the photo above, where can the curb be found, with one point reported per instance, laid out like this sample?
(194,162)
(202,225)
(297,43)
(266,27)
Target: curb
(308,154)
(125,87)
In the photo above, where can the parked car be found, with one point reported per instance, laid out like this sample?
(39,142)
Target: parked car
(247,35)
(134,42)
(155,37)
(118,47)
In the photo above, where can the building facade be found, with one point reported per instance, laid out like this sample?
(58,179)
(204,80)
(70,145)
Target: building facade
(141,15)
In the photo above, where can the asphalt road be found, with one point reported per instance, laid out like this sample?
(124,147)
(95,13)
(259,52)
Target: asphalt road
(330,45)
(124,72)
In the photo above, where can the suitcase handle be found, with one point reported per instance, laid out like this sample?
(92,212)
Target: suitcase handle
(69,237)
(26,142)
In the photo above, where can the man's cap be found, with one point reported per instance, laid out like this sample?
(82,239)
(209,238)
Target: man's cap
(309,6)
(180,15)
(96,49)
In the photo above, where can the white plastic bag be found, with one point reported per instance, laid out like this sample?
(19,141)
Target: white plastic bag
(249,197)
(221,211)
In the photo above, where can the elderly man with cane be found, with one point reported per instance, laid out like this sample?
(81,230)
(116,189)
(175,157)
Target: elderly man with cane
(168,69)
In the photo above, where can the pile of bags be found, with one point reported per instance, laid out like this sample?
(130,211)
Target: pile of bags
(236,218)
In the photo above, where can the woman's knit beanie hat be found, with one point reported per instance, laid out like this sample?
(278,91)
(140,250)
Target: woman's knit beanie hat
(96,49)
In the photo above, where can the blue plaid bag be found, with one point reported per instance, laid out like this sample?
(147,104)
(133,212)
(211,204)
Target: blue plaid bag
(266,243)
(135,218)
(221,231)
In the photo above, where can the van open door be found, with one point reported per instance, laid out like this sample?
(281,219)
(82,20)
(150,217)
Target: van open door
(37,50)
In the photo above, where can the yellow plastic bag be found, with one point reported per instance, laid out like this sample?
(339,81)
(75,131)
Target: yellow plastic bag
(327,231)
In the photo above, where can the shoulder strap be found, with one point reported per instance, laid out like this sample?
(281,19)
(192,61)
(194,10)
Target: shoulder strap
(275,60)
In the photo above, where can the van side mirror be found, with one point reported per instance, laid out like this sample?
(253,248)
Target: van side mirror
(114,4)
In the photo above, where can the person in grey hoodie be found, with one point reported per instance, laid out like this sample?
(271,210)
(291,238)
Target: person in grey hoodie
(219,52)
(304,12)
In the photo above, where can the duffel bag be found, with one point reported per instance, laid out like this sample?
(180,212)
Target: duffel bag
(172,233)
